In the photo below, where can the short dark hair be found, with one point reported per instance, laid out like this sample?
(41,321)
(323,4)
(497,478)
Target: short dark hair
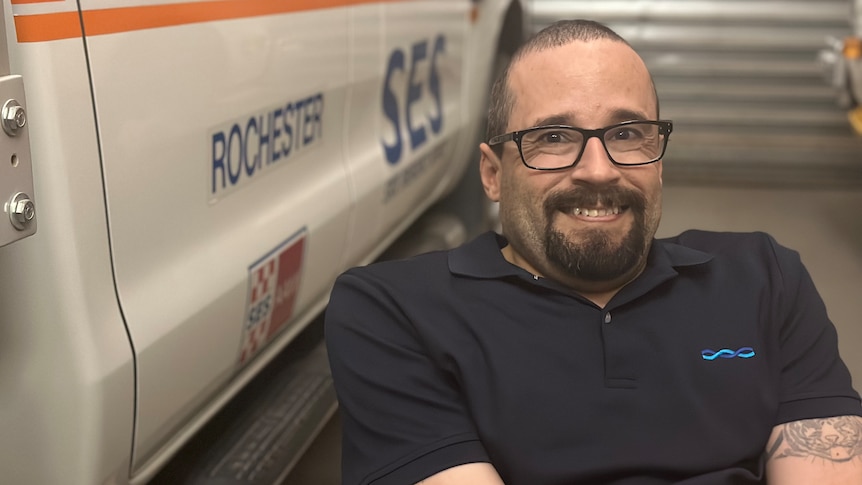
(559,33)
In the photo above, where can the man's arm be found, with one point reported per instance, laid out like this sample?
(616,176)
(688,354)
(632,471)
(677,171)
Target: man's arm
(469,474)
(823,451)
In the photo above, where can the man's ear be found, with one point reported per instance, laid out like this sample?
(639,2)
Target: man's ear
(490,168)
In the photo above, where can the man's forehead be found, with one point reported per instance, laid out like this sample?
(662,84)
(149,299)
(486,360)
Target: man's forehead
(611,114)
(578,80)
(587,56)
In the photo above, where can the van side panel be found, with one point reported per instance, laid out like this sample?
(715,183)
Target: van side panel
(66,365)
(227,191)
(203,171)
(405,119)
(421,103)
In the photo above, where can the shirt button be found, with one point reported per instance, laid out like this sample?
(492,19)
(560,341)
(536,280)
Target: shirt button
(608,317)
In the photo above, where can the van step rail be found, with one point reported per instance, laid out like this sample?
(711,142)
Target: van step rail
(264,430)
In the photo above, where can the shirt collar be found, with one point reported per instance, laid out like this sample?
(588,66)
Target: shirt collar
(481,258)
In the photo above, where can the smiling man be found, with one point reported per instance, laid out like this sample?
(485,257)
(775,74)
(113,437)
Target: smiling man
(584,207)
(575,348)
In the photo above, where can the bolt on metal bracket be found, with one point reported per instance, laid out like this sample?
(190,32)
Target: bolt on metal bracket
(16,174)
(22,211)
(16,171)
(14,117)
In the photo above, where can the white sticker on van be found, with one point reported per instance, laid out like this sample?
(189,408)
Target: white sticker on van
(244,148)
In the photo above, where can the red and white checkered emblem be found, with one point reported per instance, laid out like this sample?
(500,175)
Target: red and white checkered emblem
(273,285)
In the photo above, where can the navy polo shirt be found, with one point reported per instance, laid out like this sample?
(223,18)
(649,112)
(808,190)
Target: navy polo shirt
(459,357)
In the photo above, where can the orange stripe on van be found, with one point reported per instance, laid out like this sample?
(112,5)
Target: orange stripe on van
(21,2)
(66,25)
(52,26)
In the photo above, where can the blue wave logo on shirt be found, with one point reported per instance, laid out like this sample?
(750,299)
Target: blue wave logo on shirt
(744,353)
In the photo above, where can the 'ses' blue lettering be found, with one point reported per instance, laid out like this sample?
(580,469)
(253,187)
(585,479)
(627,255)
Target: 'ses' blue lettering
(414,88)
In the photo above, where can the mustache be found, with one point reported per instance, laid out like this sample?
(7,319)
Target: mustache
(594,195)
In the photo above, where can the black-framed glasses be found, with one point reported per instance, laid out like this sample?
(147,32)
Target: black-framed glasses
(554,147)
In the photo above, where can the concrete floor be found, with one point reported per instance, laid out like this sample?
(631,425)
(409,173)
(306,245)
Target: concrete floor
(825,226)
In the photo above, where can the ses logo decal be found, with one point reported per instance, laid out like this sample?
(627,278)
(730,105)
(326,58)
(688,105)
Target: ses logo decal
(273,283)
(413,106)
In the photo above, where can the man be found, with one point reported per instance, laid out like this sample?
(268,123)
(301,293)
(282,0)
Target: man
(575,348)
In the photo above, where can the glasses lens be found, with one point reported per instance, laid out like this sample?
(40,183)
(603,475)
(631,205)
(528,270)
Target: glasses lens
(548,148)
(634,143)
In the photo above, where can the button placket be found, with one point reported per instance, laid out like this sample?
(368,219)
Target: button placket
(621,350)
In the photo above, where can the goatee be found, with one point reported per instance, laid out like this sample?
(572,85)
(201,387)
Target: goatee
(595,257)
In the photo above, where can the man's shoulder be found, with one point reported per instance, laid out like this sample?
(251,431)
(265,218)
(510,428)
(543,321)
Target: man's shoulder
(479,255)
(748,248)
(403,271)
(722,242)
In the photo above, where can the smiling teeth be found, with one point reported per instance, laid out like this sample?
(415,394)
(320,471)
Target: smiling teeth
(596,212)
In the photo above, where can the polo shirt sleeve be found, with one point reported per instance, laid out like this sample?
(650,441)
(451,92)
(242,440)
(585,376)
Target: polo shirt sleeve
(404,418)
(814,382)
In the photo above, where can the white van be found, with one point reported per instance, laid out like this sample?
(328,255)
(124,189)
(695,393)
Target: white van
(182,181)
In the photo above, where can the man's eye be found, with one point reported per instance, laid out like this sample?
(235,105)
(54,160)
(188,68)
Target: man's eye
(556,137)
(626,134)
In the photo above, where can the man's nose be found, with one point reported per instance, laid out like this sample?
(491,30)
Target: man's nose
(595,165)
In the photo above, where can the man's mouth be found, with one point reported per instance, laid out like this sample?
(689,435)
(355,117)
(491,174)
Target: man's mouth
(600,204)
(577,211)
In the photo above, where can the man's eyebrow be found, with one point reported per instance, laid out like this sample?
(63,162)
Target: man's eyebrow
(558,119)
(617,116)
(621,115)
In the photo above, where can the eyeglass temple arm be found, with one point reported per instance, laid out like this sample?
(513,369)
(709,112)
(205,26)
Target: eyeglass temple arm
(501,139)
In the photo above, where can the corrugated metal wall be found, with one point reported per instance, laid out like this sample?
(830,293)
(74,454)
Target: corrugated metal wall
(741,80)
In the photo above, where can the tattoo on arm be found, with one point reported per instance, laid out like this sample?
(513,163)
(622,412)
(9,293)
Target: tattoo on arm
(836,439)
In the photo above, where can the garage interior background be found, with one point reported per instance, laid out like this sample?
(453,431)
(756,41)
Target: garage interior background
(742,82)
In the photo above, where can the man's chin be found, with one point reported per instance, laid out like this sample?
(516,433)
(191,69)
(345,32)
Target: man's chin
(611,238)
(594,255)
